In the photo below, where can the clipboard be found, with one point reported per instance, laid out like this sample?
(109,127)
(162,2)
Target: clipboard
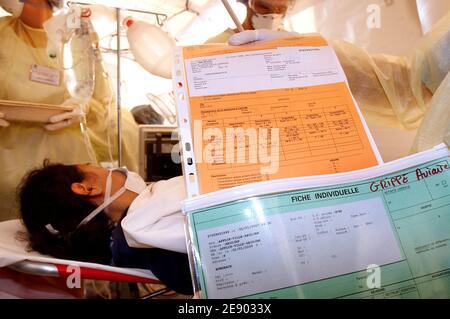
(294,84)
(303,237)
(19,111)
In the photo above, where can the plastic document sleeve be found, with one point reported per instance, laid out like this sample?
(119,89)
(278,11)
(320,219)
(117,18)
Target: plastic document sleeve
(266,111)
(381,232)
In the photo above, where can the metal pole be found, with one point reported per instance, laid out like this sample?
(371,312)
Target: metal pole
(233,15)
(119,127)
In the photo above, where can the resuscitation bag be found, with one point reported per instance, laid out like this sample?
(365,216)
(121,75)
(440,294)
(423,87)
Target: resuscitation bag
(151,47)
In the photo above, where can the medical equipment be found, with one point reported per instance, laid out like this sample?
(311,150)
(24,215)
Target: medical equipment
(158,152)
(79,62)
(145,114)
(165,103)
(151,46)
(267,21)
(79,69)
(73,31)
(15,255)
(233,15)
(14,7)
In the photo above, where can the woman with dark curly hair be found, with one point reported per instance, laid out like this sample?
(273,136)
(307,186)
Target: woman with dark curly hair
(75,212)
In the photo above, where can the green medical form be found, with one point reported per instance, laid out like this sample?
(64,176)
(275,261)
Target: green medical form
(383,232)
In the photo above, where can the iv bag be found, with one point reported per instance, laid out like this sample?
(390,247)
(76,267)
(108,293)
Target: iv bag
(79,73)
(79,63)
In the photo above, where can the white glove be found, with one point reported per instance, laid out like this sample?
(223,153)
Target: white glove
(3,123)
(66,119)
(248,36)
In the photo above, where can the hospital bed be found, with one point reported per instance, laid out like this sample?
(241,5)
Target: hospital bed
(14,255)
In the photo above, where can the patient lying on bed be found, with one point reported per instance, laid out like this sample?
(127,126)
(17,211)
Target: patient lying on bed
(89,213)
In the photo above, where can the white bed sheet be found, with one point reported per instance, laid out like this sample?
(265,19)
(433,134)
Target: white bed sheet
(13,250)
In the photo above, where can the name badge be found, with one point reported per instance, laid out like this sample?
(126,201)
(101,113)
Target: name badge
(43,74)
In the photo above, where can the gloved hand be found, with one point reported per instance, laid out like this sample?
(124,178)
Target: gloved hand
(3,123)
(66,119)
(248,36)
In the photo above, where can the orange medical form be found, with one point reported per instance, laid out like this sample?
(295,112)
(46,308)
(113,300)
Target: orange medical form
(266,111)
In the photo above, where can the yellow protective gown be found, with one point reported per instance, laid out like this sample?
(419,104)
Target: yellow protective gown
(24,146)
(404,94)
(431,65)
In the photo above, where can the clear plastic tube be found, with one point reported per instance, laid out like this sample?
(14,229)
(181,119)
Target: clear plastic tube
(87,140)
(163,107)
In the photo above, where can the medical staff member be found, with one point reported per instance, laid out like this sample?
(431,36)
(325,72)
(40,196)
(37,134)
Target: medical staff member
(261,14)
(28,73)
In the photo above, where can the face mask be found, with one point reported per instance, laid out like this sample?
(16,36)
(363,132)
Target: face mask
(14,7)
(56,4)
(270,21)
(133,183)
